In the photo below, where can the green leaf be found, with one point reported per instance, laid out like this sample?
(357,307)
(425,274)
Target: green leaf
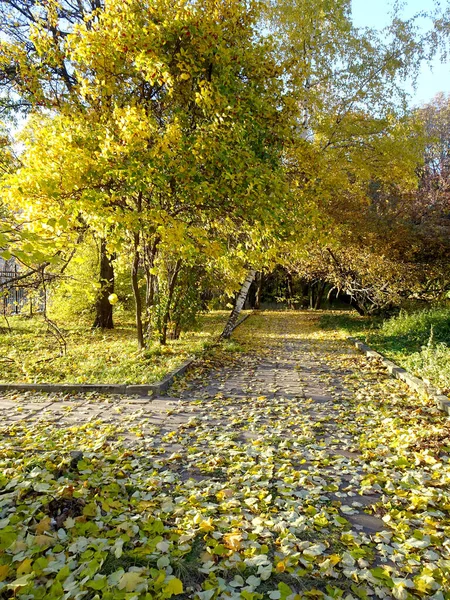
(21,581)
(284,590)
(98,583)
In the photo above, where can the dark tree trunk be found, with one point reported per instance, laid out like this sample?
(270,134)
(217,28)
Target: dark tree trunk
(259,283)
(103,307)
(240,300)
(360,309)
(136,292)
(319,297)
(290,290)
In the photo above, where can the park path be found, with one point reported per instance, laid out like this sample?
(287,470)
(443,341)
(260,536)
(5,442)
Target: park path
(313,439)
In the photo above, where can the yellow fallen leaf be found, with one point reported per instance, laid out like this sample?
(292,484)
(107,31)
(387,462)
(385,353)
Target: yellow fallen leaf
(281,567)
(174,587)
(4,572)
(24,567)
(206,525)
(129,581)
(232,541)
(227,493)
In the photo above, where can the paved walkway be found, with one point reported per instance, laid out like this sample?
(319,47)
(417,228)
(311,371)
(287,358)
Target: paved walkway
(306,421)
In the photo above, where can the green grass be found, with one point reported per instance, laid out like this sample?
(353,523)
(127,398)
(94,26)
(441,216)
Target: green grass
(29,353)
(419,341)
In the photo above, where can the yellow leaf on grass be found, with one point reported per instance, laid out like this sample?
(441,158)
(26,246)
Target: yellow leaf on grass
(232,541)
(174,587)
(130,581)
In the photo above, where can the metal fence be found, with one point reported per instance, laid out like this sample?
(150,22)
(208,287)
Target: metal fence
(14,298)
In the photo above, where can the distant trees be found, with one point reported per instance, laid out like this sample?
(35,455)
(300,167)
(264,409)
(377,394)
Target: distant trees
(394,246)
(431,209)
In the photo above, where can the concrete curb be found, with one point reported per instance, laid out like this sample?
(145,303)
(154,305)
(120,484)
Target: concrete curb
(149,389)
(160,387)
(416,384)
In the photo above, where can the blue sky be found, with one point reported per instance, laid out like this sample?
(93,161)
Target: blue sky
(375,13)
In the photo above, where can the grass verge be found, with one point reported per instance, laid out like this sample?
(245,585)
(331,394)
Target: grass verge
(418,341)
(29,353)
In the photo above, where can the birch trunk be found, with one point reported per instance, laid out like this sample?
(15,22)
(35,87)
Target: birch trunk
(240,300)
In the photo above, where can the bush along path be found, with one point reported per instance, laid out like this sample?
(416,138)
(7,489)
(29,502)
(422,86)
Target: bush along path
(295,469)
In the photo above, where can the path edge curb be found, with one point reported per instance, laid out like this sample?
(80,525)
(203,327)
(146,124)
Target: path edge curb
(415,383)
(145,389)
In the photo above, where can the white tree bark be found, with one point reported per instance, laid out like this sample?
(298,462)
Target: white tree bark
(240,300)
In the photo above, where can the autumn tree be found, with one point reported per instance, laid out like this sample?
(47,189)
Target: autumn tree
(35,68)
(36,73)
(177,140)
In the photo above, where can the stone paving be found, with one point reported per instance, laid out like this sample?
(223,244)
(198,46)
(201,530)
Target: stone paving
(298,375)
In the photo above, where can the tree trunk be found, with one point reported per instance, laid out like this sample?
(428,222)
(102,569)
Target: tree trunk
(360,309)
(290,290)
(103,307)
(259,282)
(320,292)
(150,256)
(240,300)
(151,292)
(136,292)
(311,296)
(170,292)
